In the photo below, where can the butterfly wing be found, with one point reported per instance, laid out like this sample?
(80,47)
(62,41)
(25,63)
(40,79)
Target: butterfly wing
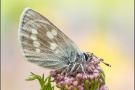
(43,43)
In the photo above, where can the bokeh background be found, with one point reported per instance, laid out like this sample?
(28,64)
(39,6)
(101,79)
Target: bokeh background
(104,27)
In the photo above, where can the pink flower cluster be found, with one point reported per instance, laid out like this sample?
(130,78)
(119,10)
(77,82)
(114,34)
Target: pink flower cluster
(94,79)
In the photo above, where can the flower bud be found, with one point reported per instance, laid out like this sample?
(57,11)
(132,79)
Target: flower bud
(104,87)
(100,80)
(80,87)
(70,88)
(91,77)
(62,83)
(98,68)
(95,71)
(52,73)
(85,77)
(75,83)
(96,75)
(79,75)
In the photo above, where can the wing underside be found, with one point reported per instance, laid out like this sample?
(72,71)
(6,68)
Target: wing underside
(43,43)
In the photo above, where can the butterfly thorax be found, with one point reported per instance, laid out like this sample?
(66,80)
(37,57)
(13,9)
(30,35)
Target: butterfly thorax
(80,64)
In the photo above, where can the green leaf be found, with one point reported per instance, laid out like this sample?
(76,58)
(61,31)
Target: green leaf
(103,79)
(92,85)
(96,84)
(86,85)
(45,83)
(102,72)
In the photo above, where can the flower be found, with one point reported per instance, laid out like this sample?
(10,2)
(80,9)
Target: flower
(93,79)
(103,87)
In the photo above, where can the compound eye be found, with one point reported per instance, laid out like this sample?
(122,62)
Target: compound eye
(86,56)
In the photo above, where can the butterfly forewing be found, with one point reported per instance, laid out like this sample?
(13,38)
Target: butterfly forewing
(43,43)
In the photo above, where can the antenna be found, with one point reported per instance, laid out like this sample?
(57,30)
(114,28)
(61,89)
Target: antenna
(105,62)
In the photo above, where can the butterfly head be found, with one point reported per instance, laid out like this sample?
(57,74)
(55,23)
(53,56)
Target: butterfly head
(88,57)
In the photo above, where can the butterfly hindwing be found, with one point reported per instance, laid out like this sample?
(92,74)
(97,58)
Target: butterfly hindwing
(43,43)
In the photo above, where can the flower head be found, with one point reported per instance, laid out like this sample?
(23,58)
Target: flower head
(92,79)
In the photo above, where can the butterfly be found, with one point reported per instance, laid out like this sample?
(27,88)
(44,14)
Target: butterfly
(42,43)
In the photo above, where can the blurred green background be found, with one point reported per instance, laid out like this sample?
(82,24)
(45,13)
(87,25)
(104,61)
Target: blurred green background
(104,27)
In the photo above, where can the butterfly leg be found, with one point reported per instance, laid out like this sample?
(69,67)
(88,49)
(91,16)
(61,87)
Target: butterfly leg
(77,69)
(72,69)
(64,71)
(67,69)
(82,67)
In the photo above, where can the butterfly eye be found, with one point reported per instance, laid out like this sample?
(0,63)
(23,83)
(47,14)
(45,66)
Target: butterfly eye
(86,56)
